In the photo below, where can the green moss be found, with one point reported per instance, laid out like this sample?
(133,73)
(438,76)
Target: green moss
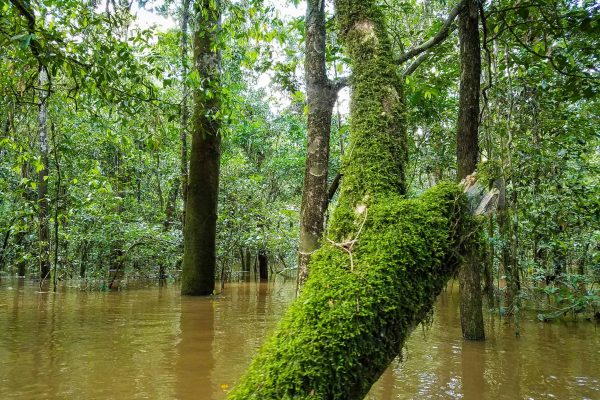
(377,152)
(346,326)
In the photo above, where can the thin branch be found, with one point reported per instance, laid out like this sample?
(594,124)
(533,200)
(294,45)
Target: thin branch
(439,37)
(335,184)
(415,64)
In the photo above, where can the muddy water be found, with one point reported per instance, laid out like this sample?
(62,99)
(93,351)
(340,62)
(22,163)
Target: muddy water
(150,343)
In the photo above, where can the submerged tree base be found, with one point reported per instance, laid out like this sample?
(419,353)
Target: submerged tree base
(362,299)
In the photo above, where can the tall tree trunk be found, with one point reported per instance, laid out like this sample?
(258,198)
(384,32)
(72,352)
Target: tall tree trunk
(321,97)
(42,184)
(21,233)
(467,154)
(185,15)
(386,258)
(199,257)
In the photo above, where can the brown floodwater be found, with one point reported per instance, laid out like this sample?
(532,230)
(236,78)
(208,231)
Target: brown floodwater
(150,343)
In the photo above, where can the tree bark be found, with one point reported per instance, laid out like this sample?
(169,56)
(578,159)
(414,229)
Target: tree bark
(199,258)
(467,155)
(42,183)
(5,242)
(467,143)
(321,97)
(377,155)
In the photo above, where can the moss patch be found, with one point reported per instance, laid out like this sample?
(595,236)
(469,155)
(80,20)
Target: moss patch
(376,156)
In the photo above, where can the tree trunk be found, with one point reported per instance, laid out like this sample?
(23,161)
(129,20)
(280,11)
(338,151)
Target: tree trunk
(263,265)
(42,184)
(321,97)
(185,15)
(171,202)
(23,222)
(386,257)
(84,259)
(199,257)
(246,259)
(376,163)
(467,143)
(467,154)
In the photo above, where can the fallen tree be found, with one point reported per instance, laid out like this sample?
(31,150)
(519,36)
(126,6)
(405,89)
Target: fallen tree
(385,257)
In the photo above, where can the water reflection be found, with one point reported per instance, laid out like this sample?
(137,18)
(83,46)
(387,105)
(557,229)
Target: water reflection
(151,343)
(195,363)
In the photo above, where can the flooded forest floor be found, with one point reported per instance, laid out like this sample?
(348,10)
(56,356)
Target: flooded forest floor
(151,343)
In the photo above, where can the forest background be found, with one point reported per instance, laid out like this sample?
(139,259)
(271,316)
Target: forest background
(97,193)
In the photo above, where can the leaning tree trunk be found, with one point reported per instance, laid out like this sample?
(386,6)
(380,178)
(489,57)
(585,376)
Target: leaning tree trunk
(42,184)
(386,257)
(467,154)
(321,97)
(199,257)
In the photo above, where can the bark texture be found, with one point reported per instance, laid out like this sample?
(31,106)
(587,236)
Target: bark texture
(467,144)
(385,258)
(321,97)
(467,147)
(199,258)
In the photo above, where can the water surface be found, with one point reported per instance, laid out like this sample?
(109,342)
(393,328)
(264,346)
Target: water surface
(151,343)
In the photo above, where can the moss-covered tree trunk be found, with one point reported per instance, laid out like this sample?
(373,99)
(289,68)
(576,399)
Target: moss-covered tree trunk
(358,306)
(321,96)
(467,155)
(385,258)
(199,257)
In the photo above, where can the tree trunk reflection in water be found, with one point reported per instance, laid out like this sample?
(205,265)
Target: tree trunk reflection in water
(194,353)
(473,359)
